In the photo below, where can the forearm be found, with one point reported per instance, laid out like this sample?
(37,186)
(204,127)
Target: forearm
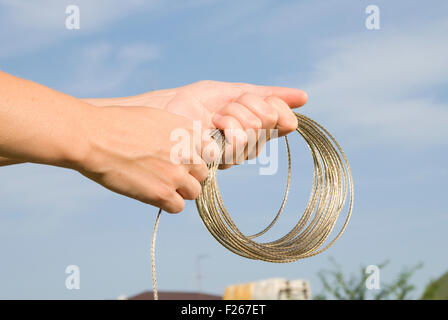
(155,99)
(103,102)
(41,125)
(8,161)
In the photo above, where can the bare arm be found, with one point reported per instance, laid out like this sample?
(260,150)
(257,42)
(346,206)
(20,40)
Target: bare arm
(7,161)
(125,149)
(39,124)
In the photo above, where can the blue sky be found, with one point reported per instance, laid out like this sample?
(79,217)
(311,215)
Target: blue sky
(381,93)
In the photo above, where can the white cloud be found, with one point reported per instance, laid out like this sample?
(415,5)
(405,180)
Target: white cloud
(27,26)
(30,25)
(101,67)
(383,86)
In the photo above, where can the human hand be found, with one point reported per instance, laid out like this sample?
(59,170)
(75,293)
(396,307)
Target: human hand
(130,153)
(232,107)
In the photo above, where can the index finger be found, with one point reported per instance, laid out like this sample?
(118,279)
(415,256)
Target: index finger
(293,97)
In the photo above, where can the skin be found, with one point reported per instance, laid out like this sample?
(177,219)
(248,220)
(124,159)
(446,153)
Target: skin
(124,143)
(232,107)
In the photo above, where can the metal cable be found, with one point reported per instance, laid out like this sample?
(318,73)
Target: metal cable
(153,259)
(332,183)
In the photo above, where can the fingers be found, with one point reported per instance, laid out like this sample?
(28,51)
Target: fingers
(287,120)
(182,182)
(170,201)
(199,171)
(255,112)
(230,91)
(207,149)
(186,175)
(267,115)
(246,118)
(236,137)
(190,188)
(190,175)
(292,96)
(233,129)
(263,111)
(251,111)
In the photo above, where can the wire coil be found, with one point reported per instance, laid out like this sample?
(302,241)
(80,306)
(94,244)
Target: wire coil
(332,184)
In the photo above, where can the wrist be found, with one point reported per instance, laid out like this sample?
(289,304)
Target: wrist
(77,148)
(99,132)
(119,101)
(154,99)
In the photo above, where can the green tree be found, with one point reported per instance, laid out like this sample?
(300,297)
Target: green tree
(353,287)
(437,289)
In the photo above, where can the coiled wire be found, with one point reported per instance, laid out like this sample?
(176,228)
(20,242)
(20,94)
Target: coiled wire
(332,183)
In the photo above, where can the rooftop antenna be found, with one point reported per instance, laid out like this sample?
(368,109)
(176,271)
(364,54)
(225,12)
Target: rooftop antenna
(198,270)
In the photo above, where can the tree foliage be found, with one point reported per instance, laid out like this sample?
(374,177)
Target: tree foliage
(353,287)
(437,289)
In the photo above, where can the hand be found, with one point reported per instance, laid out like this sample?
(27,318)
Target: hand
(130,153)
(227,106)
(126,149)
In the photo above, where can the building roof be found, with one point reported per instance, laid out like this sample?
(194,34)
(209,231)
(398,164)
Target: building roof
(175,295)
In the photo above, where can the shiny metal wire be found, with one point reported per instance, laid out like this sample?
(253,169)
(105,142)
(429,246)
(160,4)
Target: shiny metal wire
(332,183)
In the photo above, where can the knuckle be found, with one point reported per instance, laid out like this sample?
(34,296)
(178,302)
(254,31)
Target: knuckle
(256,124)
(267,113)
(270,116)
(199,171)
(276,101)
(247,98)
(233,107)
(178,175)
(163,195)
(206,82)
